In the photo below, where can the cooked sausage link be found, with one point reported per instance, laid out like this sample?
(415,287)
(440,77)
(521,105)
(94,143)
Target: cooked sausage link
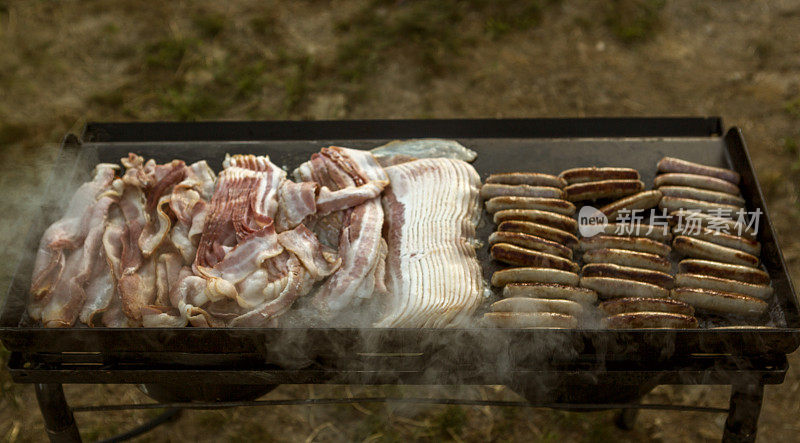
(527,178)
(643,304)
(516,256)
(729,271)
(593,174)
(557,205)
(490,190)
(696,181)
(650,320)
(627,258)
(721,302)
(628,273)
(671,164)
(551,219)
(602,189)
(692,247)
(639,201)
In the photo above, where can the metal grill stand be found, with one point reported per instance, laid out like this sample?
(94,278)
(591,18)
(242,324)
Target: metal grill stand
(747,377)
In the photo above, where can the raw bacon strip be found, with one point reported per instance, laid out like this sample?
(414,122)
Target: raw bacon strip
(298,284)
(304,245)
(138,289)
(101,290)
(329,201)
(68,232)
(266,202)
(432,269)
(359,239)
(296,201)
(156,230)
(168,268)
(68,299)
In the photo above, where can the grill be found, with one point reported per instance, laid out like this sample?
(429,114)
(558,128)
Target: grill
(577,369)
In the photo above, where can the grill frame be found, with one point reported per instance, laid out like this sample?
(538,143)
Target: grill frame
(650,343)
(615,377)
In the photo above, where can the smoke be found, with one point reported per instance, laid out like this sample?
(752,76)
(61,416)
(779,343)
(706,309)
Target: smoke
(36,192)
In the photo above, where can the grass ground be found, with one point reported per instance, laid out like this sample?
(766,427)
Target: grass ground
(65,63)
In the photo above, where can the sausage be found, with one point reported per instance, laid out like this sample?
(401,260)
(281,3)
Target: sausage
(671,164)
(650,320)
(629,243)
(628,273)
(556,205)
(733,227)
(677,203)
(703,195)
(527,304)
(527,178)
(692,247)
(627,258)
(539,230)
(747,245)
(608,287)
(490,190)
(642,200)
(723,284)
(696,181)
(641,304)
(531,242)
(550,290)
(529,320)
(516,256)
(593,174)
(551,219)
(534,275)
(721,302)
(653,232)
(602,189)
(724,270)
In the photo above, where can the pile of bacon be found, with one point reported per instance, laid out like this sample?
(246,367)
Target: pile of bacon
(170,245)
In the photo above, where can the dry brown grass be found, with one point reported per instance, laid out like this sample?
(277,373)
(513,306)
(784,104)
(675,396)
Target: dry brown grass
(65,63)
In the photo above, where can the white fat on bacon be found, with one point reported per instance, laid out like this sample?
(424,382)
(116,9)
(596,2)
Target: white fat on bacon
(432,271)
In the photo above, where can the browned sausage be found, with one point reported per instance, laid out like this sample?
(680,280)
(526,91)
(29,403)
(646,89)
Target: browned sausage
(628,273)
(724,270)
(491,190)
(642,200)
(534,275)
(630,243)
(602,189)
(551,219)
(556,205)
(696,181)
(593,174)
(530,242)
(627,258)
(539,230)
(670,164)
(642,304)
(650,320)
(527,178)
(516,256)
(692,247)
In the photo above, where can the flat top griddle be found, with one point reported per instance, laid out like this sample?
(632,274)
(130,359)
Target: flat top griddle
(541,145)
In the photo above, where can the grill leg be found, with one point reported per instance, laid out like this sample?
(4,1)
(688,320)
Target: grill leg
(742,423)
(58,420)
(626,419)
